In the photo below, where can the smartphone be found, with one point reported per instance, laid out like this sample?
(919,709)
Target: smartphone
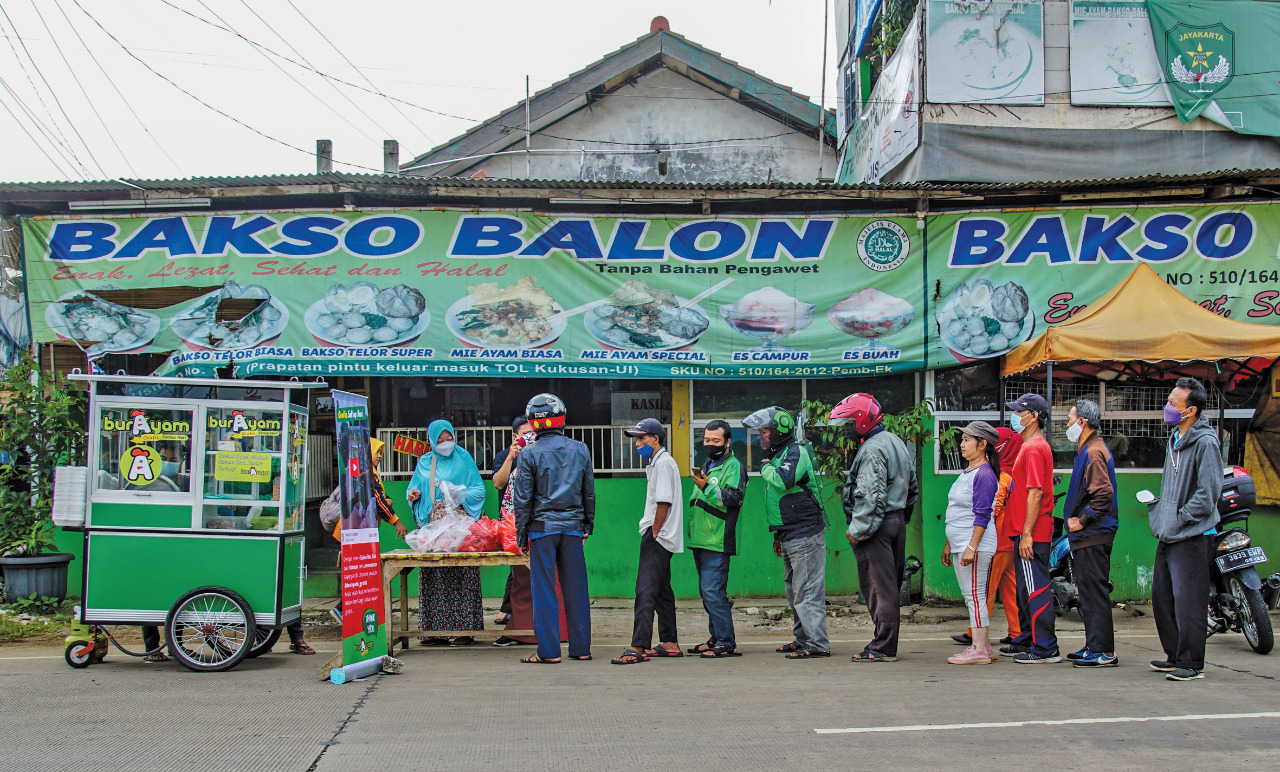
(697,471)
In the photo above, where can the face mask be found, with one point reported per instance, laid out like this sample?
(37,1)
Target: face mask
(1074,431)
(645,451)
(1015,423)
(1172,415)
(169,468)
(714,452)
(443,449)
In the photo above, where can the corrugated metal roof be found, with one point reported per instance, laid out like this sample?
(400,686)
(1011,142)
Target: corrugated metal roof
(354,182)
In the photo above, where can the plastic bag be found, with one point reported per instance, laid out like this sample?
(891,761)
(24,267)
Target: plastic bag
(453,497)
(507,533)
(443,535)
(484,537)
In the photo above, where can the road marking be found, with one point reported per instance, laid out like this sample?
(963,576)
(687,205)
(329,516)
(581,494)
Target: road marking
(1060,722)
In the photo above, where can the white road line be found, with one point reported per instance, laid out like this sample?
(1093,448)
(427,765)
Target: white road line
(1008,724)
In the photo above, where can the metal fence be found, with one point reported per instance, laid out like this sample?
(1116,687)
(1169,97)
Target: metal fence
(611,450)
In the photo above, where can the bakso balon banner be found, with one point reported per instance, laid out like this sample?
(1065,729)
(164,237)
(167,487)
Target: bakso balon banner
(998,279)
(446,293)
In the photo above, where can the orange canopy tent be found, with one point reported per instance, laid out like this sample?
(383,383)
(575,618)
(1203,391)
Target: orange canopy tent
(1145,328)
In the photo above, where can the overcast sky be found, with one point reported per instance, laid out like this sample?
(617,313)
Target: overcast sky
(77,104)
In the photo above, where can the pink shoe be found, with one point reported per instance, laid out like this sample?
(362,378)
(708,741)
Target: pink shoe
(970,656)
(991,653)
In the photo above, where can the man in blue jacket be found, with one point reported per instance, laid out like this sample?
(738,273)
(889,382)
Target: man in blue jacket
(1091,522)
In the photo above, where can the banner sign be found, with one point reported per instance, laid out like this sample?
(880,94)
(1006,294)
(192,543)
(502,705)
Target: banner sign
(1220,59)
(497,294)
(864,16)
(410,446)
(364,631)
(890,130)
(987,51)
(1113,57)
(1004,277)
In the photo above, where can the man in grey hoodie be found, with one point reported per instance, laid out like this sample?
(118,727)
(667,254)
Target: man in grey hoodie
(1183,520)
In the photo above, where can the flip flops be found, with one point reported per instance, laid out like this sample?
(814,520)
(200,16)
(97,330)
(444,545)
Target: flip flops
(630,657)
(807,654)
(871,655)
(660,652)
(534,659)
(789,647)
(702,647)
(716,652)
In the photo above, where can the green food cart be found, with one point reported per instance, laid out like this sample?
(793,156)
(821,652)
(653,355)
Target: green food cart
(195,494)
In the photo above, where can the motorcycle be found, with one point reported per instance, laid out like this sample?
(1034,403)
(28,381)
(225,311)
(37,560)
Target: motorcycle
(1235,590)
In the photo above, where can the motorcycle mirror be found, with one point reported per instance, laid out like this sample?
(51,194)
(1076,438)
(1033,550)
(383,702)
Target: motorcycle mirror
(1146,497)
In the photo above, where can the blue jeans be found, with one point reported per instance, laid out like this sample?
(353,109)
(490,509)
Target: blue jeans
(546,555)
(804,563)
(713,578)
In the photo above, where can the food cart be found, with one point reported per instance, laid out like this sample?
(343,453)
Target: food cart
(193,517)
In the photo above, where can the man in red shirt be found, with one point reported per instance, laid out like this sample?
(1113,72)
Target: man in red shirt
(1029,513)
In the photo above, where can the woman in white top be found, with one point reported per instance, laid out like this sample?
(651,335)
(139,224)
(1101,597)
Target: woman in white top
(970,542)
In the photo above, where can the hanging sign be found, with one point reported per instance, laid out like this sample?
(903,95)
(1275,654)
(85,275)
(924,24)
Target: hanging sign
(410,446)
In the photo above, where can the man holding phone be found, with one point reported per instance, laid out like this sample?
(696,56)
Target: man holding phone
(712,534)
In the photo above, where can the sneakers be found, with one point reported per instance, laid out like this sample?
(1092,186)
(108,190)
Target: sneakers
(1075,655)
(1183,674)
(1098,659)
(505,641)
(971,656)
(1163,666)
(1027,658)
(1013,650)
(336,613)
(963,639)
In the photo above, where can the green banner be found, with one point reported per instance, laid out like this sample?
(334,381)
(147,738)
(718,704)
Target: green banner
(998,279)
(450,293)
(1220,58)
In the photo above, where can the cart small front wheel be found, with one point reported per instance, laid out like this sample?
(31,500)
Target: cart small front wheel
(263,641)
(79,655)
(210,629)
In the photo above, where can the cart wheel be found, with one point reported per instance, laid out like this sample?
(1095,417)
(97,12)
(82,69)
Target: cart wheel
(79,655)
(263,641)
(210,629)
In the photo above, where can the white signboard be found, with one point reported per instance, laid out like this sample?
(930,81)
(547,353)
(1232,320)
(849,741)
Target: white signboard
(1113,58)
(890,128)
(989,51)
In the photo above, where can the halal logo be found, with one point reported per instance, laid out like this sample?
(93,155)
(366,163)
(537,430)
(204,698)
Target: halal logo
(883,245)
(1200,58)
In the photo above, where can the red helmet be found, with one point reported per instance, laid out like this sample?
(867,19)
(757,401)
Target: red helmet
(863,409)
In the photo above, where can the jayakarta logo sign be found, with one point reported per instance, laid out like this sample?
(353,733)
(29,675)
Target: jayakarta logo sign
(1200,59)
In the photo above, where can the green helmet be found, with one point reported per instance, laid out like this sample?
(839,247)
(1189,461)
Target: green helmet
(779,421)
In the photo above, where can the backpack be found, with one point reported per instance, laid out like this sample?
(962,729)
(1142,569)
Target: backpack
(331,510)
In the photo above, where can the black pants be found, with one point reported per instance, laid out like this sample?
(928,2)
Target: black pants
(505,608)
(882,560)
(150,637)
(653,593)
(1180,600)
(1092,567)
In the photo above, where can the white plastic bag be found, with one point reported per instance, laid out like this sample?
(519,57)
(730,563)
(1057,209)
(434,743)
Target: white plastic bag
(443,535)
(453,497)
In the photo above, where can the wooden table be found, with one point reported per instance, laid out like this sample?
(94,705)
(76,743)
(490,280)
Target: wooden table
(400,562)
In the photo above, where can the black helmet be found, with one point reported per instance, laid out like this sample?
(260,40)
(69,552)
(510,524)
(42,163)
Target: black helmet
(782,427)
(545,411)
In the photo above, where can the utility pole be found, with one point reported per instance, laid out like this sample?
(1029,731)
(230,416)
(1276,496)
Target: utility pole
(528,156)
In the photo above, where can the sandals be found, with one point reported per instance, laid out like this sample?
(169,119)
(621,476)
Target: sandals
(534,659)
(661,652)
(501,619)
(788,648)
(630,657)
(702,647)
(807,654)
(871,655)
(583,658)
(716,652)
(301,647)
(159,656)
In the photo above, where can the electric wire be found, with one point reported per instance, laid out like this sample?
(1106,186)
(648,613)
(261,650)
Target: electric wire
(39,145)
(361,72)
(123,100)
(76,78)
(53,123)
(44,132)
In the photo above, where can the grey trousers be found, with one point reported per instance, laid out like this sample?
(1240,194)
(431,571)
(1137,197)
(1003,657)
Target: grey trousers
(804,563)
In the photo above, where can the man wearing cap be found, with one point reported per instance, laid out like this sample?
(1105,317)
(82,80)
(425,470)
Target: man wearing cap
(1030,512)
(661,536)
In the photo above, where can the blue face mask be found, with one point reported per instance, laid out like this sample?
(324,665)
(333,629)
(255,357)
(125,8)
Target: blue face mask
(1015,423)
(169,468)
(645,451)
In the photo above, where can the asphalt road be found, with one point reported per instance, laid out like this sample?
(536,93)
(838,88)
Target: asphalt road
(479,708)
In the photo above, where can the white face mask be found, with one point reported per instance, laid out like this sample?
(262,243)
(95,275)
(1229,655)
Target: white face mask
(1074,431)
(444,449)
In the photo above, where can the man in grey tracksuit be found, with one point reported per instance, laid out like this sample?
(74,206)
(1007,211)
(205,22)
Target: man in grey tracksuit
(1183,520)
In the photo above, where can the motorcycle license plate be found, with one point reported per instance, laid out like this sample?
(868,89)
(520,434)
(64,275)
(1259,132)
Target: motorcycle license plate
(1235,561)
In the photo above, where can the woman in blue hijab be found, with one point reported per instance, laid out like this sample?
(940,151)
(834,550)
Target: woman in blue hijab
(448,598)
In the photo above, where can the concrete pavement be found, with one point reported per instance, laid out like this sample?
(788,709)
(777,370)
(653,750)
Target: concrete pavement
(479,708)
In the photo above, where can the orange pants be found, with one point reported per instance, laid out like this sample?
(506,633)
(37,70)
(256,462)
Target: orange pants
(1002,580)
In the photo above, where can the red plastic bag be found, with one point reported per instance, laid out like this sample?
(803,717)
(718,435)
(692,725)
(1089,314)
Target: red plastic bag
(484,537)
(507,531)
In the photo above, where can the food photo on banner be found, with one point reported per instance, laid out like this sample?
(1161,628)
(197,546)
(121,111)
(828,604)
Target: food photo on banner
(1000,278)
(364,634)
(497,294)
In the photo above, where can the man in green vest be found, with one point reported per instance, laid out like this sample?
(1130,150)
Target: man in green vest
(799,529)
(711,532)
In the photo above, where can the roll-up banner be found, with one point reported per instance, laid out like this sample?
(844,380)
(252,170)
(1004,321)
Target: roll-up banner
(364,630)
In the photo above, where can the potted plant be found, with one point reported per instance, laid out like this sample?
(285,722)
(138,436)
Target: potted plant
(42,425)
